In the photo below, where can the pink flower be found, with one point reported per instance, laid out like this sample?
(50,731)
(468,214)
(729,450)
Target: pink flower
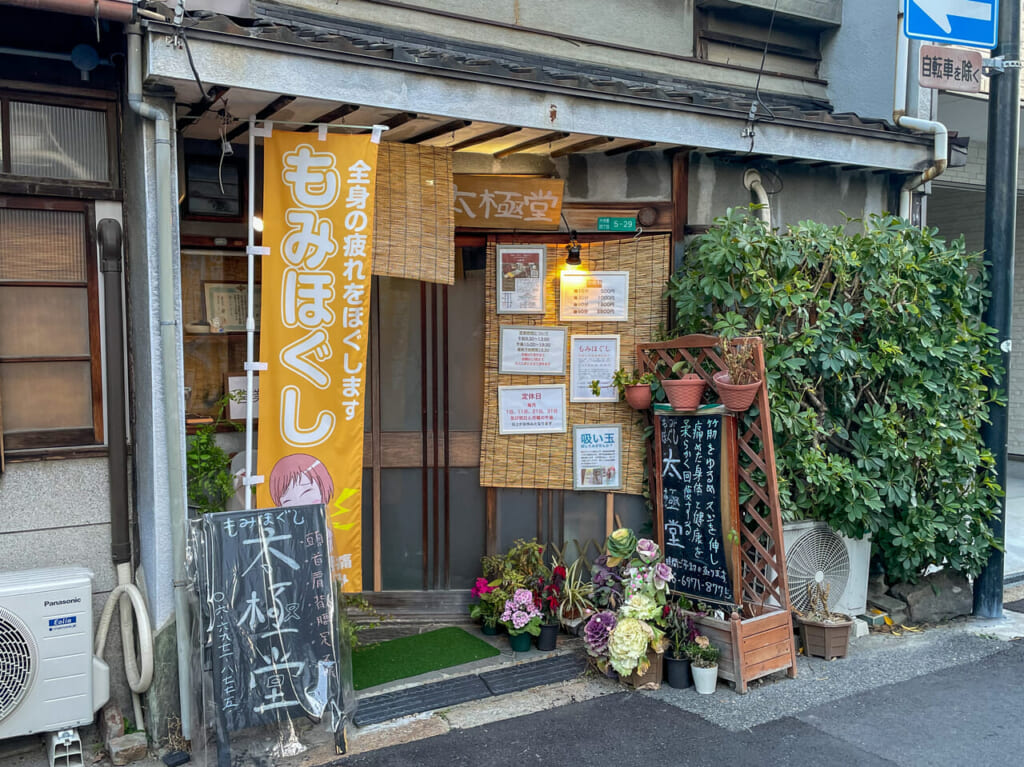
(480,588)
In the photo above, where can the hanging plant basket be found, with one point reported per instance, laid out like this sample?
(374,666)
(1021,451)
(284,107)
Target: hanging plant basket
(684,393)
(638,396)
(736,397)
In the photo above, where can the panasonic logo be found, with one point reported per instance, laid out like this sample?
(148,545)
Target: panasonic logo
(57,602)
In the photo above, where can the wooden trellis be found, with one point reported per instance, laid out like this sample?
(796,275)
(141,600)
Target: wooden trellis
(759,639)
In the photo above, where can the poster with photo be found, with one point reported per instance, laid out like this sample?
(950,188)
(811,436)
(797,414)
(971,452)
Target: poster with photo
(520,273)
(593,358)
(538,409)
(531,350)
(597,457)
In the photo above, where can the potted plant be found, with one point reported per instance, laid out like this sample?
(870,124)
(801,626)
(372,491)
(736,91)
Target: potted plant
(547,598)
(485,609)
(685,392)
(521,619)
(576,604)
(679,631)
(633,387)
(739,383)
(824,634)
(210,482)
(703,664)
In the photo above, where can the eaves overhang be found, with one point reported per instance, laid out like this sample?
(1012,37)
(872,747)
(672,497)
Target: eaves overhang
(654,113)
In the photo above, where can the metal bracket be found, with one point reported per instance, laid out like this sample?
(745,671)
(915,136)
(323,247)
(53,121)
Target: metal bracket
(999,64)
(254,366)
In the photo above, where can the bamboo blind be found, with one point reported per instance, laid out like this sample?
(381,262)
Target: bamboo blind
(414,214)
(545,460)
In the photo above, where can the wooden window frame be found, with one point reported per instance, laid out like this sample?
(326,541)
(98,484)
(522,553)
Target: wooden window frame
(42,443)
(36,185)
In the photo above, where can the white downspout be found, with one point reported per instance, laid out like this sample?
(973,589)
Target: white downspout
(899,116)
(172,400)
(752,181)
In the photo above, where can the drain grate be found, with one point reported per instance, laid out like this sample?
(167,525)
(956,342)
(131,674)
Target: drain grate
(449,692)
(526,675)
(427,697)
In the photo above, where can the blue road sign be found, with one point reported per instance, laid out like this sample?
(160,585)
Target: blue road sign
(965,22)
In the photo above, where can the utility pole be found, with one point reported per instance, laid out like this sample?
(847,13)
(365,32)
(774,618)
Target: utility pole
(1000,228)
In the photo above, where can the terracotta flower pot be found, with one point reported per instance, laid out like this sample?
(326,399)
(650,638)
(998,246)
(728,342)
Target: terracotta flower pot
(736,397)
(638,396)
(684,393)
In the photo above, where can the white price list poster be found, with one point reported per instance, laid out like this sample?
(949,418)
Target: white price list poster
(594,296)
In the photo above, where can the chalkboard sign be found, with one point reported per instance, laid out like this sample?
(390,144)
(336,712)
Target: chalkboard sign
(696,502)
(268,607)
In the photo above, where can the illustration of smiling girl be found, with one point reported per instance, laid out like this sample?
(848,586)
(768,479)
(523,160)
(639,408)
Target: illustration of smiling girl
(300,480)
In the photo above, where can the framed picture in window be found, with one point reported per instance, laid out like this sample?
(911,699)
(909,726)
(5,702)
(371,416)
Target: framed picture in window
(227,304)
(213,189)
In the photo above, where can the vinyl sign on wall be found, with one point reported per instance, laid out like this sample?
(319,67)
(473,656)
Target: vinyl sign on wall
(318,213)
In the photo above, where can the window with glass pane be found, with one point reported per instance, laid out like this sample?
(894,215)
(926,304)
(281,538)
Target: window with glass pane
(49,375)
(60,142)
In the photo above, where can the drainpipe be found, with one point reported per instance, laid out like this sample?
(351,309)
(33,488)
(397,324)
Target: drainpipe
(126,596)
(899,116)
(115,10)
(172,400)
(752,181)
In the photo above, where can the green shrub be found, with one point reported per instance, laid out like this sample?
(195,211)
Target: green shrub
(879,369)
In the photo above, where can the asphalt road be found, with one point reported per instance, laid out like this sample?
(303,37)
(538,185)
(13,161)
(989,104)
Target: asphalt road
(968,714)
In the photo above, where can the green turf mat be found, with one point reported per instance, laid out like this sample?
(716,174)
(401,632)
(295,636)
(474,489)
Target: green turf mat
(400,658)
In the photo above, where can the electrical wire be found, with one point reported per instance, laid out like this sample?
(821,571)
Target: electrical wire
(752,114)
(204,97)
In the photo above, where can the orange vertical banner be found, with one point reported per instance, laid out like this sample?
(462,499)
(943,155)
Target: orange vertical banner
(318,224)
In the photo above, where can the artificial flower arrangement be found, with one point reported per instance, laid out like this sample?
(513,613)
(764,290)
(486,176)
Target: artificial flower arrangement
(521,615)
(486,608)
(631,588)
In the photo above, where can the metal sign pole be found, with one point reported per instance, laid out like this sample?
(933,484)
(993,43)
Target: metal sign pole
(1000,230)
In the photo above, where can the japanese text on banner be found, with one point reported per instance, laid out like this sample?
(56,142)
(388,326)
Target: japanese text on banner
(318,213)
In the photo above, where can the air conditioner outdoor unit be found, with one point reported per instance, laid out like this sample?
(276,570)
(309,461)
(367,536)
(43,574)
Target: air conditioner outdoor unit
(49,678)
(817,554)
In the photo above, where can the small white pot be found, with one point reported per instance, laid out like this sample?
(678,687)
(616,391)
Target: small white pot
(705,679)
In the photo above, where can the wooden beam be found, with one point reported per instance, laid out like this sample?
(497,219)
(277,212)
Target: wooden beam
(439,130)
(485,137)
(399,119)
(330,117)
(636,145)
(269,110)
(547,138)
(580,146)
(199,108)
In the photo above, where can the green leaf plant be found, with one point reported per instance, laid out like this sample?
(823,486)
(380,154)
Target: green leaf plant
(880,372)
(210,483)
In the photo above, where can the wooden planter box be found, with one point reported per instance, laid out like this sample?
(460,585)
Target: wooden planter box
(825,640)
(751,647)
(652,679)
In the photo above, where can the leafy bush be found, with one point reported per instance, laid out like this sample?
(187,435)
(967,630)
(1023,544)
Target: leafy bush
(878,368)
(210,482)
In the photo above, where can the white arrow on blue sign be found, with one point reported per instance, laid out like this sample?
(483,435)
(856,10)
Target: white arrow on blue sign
(965,22)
